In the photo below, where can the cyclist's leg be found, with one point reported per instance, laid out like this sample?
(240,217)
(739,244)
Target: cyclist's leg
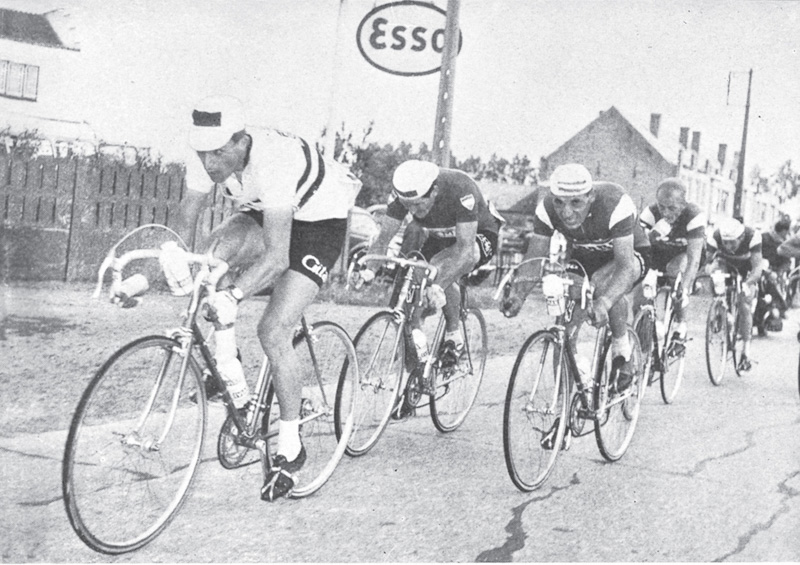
(745,327)
(677,265)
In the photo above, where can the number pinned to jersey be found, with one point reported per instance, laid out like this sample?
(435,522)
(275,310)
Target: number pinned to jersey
(468,201)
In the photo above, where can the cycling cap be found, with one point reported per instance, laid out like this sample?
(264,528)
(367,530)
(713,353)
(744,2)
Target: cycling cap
(730,228)
(414,179)
(570,180)
(214,121)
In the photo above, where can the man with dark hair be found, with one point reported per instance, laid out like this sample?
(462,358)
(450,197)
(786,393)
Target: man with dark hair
(771,241)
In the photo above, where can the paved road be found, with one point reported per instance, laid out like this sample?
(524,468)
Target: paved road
(714,477)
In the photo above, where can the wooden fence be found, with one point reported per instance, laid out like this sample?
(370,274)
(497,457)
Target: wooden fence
(60,216)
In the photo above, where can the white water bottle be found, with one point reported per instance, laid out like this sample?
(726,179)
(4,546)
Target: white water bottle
(230,369)
(584,368)
(420,343)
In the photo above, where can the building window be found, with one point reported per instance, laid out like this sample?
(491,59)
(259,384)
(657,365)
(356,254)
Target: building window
(18,80)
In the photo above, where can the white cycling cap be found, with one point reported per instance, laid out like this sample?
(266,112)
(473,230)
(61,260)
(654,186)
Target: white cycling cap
(414,179)
(214,121)
(730,228)
(570,180)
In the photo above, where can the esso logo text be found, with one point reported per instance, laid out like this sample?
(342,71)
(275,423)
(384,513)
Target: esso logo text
(404,38)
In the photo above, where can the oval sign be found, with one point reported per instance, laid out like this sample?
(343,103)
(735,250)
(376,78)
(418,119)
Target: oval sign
(404,38)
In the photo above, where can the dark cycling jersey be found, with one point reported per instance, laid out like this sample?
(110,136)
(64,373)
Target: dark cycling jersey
(739,259)
(690,224)
(769,250)
(458,201)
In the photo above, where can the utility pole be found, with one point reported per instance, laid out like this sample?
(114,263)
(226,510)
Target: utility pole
(737,195)
(447,76)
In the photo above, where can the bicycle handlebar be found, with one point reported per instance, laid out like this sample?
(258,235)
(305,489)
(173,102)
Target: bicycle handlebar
(399,261)
(217,267)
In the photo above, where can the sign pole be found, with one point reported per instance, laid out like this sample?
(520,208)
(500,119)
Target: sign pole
(444,106)
(329,143)
(737,195)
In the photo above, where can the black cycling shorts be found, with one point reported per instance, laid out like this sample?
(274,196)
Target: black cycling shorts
(486,240)
(314,247)
(592,262)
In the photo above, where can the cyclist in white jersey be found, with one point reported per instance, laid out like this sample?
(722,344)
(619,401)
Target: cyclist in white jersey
(286,234)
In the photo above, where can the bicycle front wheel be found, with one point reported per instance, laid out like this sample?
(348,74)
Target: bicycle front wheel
(717,328)
(456,388)
(535,411)
(134,445)
(327,366)
(673,363)
(379,348)
(614,429)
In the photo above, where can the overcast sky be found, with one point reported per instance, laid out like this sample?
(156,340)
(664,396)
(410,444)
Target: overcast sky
(530,74)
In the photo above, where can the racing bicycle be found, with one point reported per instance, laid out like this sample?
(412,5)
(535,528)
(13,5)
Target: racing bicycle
(722,339)
(385,349)
(547,401)
(135,440)
(655,324)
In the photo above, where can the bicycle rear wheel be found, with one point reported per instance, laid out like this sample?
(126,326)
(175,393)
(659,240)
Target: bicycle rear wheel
(673,362)
(380,348)
(535,411)
(457,388)
(717,329)
(134,445)
(327,366)
(614,430)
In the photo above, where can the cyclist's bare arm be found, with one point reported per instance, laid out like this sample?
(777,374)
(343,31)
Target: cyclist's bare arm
(459,258)
(389,227)
(624,274)
(694,249)
(277,235)
(191,206)
(790,248)
(756,260)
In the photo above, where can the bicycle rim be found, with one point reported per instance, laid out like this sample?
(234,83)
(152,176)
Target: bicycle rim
(333,361)
(673,366)
(614,431)
(717,340)
(535,409)
(457,388)
(380,349)
(127,469)
(645,331)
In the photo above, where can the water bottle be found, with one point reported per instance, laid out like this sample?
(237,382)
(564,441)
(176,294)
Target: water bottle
(176,269)
(584,368)
(420,343)
(230,369)
(661,330)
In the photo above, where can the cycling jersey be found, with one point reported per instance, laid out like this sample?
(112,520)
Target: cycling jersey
(458,201)
(690,224)
(769,250)
(739,258)
(284,170)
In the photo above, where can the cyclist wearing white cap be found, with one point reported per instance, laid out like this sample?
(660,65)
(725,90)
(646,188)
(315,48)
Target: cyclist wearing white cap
(598,220)
(677,236)
(461,229)
(286,233)
(737,247)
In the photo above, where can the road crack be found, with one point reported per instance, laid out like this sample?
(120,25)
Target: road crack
(517,536)
(744,540)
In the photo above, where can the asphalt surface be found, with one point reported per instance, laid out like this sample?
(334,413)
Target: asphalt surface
(713,477)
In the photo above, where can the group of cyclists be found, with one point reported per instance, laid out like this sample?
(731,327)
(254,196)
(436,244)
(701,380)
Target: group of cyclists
(290,224)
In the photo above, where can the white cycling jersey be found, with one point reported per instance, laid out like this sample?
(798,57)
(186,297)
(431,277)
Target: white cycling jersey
(284,170)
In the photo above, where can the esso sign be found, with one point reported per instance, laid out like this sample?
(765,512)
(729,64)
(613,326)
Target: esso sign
(404,38)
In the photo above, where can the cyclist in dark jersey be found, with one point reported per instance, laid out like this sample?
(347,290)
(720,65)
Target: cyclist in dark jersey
(599,222)
(461,230)
(677,236)
(738,248)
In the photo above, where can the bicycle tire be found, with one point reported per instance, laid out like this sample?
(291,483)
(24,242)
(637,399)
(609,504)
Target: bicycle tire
(717,340)
(644,326)
(535,405)
(672,364)
(614,431)
(118,458)
(334,354)
(456,389)
(735,343)
(380,350)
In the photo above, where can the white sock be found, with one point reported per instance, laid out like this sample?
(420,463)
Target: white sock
(621,346)
(455,337)
(680,329)
(289,438)
(746,348)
